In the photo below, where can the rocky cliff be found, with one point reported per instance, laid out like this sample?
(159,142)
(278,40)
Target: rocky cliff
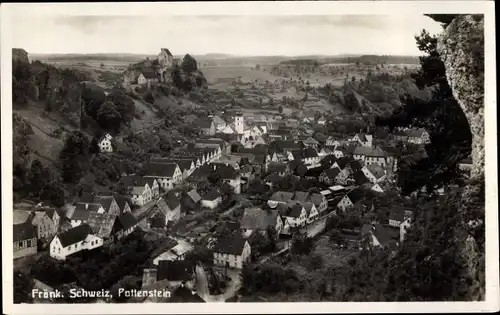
(461,47)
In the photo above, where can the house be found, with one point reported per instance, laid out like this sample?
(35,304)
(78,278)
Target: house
(360,178)
(168,175)
(108,203)
(311,142)
(186,166)
(308,156)
(322,121)
(124,224)
(165,58)
(364,140)
(328,176)
(174,250)
(311,211)
(74,240)
(371,155)
(102,225)
(375,173)
(295,213)
(80,213)
(233,252)
(140,190)
(225,171)
(147,77)
(351,199)
(122,203)
(190,201)
(332,142)
(399,215)
(177,272)
(300,196)
(273,179)
(279,168)
(257,219)
(105,144)
(25,239)
(44,225)
(212,199)
(219,122)
(319,200)
(379,235)
(207,126)
(280,197)
(328,161)
(377,188)
(168,210)
(418,136)
(325,151)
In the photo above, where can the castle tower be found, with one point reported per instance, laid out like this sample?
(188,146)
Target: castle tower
(238,123)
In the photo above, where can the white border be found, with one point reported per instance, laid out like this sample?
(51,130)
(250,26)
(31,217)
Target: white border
(10,11)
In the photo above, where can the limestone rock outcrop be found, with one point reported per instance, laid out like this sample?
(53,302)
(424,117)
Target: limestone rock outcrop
(461,47)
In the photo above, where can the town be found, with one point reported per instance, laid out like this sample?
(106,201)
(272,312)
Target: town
(171,176)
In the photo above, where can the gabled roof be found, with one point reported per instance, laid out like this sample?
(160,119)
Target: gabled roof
(133,181)
(172,199)
(376,170)
(167,51)
(328,160)
(372,152)
(355,165)
(75,235)
(283,196)
(161,169)
(212,194)
(360,178)
(101,223)
(24,231)
(277,167)
(362,137)
(177,270)
(399,213)
(274,178)
(230,245)
(121,201)
(104,201)
(314,171)
(355,195)
(308,206)
(193,194)
(81,212)
(415,132)
(183,163)
(332,173)
(205,123)
(256,218)
(293,210)
(126,220)
(22,216)
(301,196)
(385,235)
(182,294)
(316,199)
(344,161)
(149,74)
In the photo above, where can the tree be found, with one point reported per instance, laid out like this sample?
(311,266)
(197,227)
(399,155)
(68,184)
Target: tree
(302,244)
(189,64)
(23,286)
(280,109)
(37,177)
(177,78)
(108,116)
(123,103)
(54,192)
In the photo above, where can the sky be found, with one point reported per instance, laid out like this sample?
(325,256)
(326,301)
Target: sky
(239,35)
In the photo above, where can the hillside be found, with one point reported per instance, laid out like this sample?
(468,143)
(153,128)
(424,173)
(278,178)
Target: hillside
(55,104)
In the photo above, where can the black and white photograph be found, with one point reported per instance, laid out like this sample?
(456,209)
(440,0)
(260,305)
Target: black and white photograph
(249,152)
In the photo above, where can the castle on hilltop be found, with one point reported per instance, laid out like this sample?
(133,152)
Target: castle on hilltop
(151,71)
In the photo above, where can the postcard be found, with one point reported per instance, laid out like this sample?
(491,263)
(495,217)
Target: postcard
(296,156)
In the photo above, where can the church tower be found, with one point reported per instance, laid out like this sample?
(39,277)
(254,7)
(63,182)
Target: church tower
(238,123)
